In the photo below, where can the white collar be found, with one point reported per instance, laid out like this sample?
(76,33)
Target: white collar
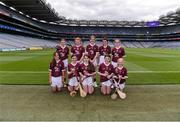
(118,47)
(85,64)
(121,67)
(106,64)
(78,45)
(63,47)
(92,44)
(105,46)
(74,64)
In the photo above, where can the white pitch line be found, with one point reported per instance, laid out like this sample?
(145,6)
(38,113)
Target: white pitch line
(43,72)
(153,71)
(24,72)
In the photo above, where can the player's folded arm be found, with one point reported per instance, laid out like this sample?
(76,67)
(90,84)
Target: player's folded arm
(91,74)
(125,77)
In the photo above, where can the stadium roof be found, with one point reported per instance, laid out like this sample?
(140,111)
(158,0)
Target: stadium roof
(40,10)
(171,18)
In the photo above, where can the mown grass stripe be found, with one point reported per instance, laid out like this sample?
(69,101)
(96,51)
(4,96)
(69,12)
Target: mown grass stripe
(41,72)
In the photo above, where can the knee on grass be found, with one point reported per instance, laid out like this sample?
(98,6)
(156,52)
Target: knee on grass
(105,90)
(90,89)
(70,88)
(56,89)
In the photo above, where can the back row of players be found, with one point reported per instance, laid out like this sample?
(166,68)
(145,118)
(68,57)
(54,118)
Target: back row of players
(83,66)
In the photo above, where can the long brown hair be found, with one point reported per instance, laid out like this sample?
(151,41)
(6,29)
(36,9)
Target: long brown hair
(91,66)
(54,60)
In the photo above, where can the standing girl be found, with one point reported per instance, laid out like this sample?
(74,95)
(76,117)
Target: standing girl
(78,49)
(104,50)
(63,52)
(92,51)
(117,52)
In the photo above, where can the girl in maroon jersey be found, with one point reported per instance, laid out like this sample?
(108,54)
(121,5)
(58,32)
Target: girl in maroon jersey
(63,52)
(117,52)
(104,50)
(56,74)
(78,49)
(92,51)
(87,73)
(120,74)
(106,70)
(73,74)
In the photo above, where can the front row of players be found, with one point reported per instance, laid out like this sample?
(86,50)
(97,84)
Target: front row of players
(83,74)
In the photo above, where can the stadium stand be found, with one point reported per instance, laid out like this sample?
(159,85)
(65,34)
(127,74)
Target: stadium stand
(16,41)
(22,27)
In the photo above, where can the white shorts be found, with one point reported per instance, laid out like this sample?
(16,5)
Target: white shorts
(120,86)
(65,63)
(88,81)
(73,81)
(95,62)
(57,81)
(101,59)
(107,83)
(114,64)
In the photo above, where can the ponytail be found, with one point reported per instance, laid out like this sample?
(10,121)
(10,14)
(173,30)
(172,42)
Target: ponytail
(53,60)
(91,67)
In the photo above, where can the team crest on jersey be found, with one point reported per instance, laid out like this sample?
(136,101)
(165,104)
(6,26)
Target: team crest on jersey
(62,54)
(103,68)
(56,69)
(116,55)
(77,51)
(122,72)
(91,51)
(86,68)
(107,68)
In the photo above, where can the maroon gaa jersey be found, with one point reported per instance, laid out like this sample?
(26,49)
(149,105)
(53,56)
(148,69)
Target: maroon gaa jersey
(92,50)
(117,53)
(104,50)
(122,72)
(76,67)
(84,68)
(78,51)
(56,70)
(63,52)
(103,68)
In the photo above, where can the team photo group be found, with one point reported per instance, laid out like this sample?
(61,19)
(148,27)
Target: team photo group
(85,64)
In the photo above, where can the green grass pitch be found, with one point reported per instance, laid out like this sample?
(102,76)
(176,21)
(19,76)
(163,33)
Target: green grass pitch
(145,66)
(153,90)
